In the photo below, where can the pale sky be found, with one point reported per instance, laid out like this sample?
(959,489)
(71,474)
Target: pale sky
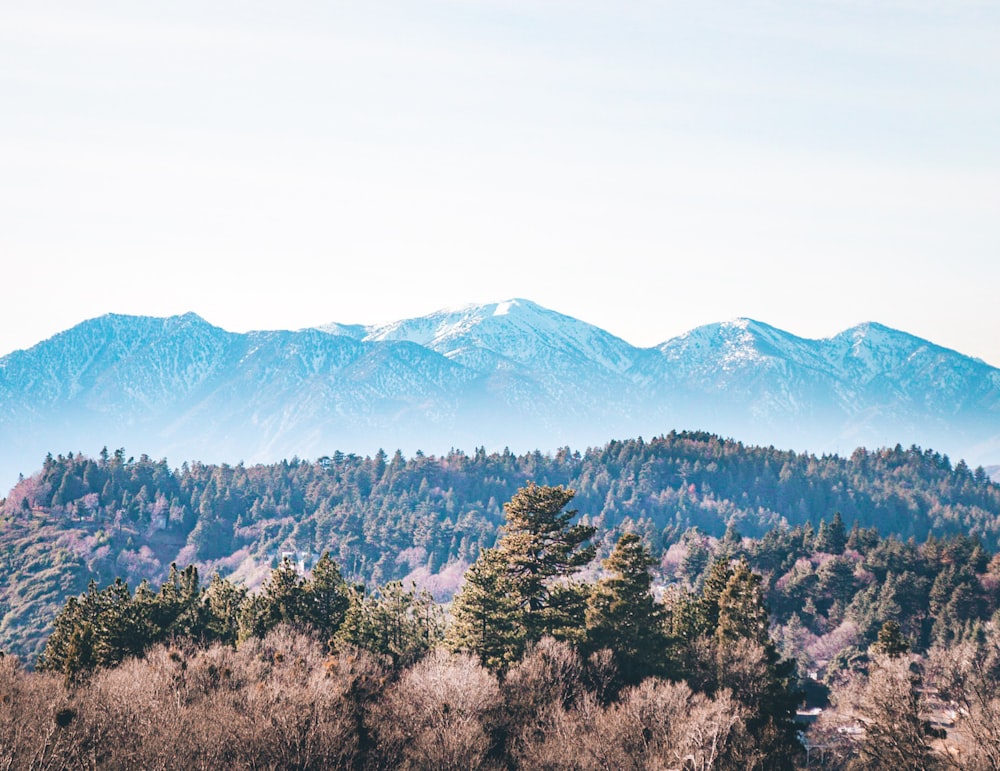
(644,166)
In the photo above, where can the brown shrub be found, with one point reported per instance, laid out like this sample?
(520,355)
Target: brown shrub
(438,715)
(275,703)
(656,725)
(36,719)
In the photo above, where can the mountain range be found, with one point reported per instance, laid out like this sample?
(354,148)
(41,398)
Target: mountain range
(503,374)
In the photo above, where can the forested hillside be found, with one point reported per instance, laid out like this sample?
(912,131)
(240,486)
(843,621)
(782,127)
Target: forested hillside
(426,518)
(535,664)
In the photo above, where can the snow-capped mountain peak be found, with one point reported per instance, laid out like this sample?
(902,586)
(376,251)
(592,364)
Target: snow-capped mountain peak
(504,373)
(503,308)
(516,330)
(735,344)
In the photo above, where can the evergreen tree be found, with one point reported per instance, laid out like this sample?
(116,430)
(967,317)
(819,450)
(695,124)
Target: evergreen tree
(706,616)
(70,648)
(512,594)
(696,558)
(223,607)
(178,608)
(539,546)
(832,537)
(403,624)
(79,656)
(487,614)
(567,611)
(720,640)
(325,597)
(281,601)
(100,628)
(742,614)
(622,614)
(891,642)
(118,626)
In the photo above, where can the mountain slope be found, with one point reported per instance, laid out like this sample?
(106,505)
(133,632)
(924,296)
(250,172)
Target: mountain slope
(508,373)
(517,331)
(868,385)
(183,387)
(541,364)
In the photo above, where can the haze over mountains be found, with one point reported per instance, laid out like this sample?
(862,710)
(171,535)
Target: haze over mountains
(503,374)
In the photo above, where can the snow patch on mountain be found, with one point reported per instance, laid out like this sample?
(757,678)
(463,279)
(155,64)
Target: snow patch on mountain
(516,329)
(505,373)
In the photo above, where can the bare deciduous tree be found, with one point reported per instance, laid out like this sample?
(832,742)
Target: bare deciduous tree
(438,715)
(885,716)
(968,676)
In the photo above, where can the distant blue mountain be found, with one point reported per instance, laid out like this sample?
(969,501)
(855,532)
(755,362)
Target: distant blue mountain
(503,374)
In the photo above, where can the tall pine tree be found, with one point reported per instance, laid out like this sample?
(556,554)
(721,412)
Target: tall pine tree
(537,549)
(487,615)
(622,614)
(540,545)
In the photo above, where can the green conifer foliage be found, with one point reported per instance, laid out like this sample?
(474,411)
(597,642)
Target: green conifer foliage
(281,601)
(223,606)
(487,615)
(696,557)
(70,647)
(178,608)
(325,597)
(720,640)
(707,610)
(832,538)
(891,641)
(622,614)
(742,613)
(539,545)
(517,593)
(100,628)
(402,624)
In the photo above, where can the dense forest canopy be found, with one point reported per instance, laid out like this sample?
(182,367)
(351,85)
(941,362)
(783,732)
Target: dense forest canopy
(537,665)
(426,518)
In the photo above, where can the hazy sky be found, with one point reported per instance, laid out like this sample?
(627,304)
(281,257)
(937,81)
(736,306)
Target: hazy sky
(644,166)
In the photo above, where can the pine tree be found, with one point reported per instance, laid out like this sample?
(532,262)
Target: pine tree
(119,628)
(280,601)
(742,614)
(722,641)
(707,610)
(832,538)
(891,641)
(512,594)
(177,609)
(325,597)
(566,614)
(487,614)
(403,624)
(622,614)
(224,604)
(696,557)
(70,648)
(539,546)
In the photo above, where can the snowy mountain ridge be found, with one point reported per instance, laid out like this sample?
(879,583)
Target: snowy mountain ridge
(509,373)
(516,329)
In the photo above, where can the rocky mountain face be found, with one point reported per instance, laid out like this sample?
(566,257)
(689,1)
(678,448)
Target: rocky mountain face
(504,374)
